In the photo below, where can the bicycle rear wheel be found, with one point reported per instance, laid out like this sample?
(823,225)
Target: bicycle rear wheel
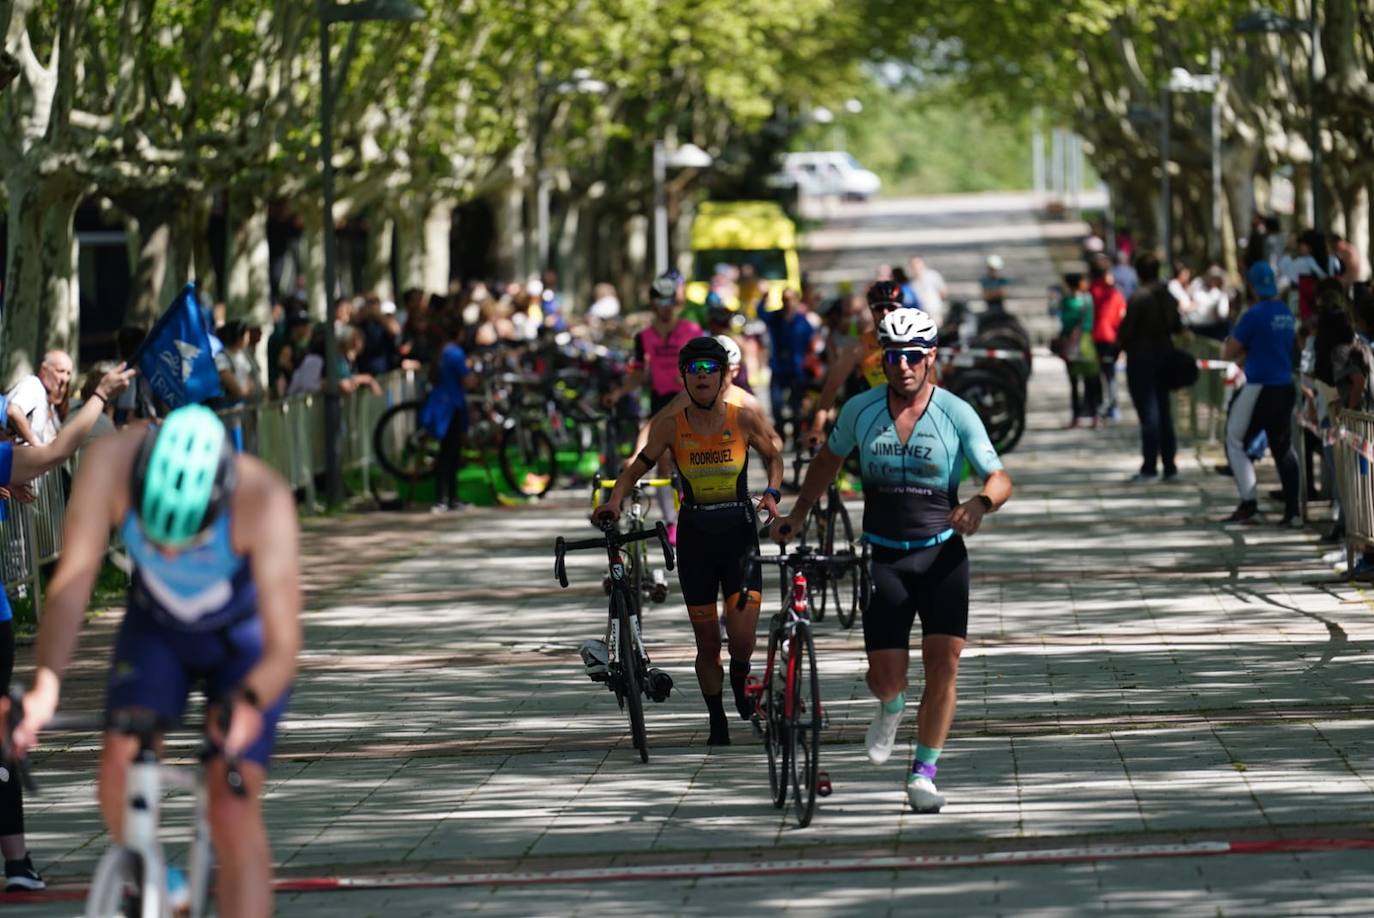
(528,461)
(774,724)
(846,584)
(630,674)
(819,524)
(404,449)
(805,725)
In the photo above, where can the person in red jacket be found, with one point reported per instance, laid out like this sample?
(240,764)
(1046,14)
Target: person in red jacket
(1109,308)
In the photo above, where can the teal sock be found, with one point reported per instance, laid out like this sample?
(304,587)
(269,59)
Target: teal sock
(895,705)
(927,755)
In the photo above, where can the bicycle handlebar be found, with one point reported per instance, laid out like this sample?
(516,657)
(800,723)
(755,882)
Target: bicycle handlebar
(611,539)
(133,721)
(801,560)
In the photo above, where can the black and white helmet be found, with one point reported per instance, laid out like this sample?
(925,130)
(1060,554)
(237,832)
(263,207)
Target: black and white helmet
(908,327)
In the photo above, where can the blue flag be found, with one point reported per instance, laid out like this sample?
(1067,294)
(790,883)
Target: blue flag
(177,359)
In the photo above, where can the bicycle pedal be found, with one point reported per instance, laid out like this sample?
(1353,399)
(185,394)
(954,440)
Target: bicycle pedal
(823,787)
(753,688)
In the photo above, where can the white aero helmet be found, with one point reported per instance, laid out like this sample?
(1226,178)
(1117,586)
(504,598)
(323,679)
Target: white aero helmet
(734,356)
(907,327)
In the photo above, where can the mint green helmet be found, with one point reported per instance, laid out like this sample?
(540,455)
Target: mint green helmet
(183,476)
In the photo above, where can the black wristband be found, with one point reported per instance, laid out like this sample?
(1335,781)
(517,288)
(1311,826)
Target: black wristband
(987,502)
(103,399)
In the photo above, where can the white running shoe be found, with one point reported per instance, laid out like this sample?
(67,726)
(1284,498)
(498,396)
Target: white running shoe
(924,798)
(882,734)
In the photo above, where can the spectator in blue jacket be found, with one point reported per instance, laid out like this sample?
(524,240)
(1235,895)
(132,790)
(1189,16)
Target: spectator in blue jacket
(790,334)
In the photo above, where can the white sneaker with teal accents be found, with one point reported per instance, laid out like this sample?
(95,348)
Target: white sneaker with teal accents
(882,734)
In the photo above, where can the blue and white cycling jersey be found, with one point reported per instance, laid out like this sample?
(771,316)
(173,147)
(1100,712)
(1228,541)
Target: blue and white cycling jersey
(202,588)
(909,488)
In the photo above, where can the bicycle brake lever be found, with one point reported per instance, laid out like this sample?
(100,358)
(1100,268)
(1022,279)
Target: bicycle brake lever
(669,561)
(560,568)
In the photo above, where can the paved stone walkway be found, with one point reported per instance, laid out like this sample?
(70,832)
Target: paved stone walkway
(1137,675)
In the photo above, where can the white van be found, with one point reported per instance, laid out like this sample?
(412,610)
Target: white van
(830,173)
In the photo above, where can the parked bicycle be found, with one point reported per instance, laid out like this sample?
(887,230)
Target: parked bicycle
(620,660)
(524,453)
(131,878)
(788,712)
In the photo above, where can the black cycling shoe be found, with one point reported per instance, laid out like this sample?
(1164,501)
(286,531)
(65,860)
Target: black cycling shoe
(1245,513)
(719,736)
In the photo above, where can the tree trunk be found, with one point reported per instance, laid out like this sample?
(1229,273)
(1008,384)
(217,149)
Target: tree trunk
(409,230)
(149,238)
(377,271)
(41,296)
(249,265)
(312,267)
(438,230)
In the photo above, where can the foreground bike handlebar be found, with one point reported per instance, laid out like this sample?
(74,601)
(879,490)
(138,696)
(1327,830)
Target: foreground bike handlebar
(132,721)
(611,540)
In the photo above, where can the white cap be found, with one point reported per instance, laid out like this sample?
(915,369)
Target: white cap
(388,308)
(995,262)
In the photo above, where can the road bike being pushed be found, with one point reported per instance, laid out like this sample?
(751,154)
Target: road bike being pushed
(620,660)
(132,878)
(788,712)
(649,585)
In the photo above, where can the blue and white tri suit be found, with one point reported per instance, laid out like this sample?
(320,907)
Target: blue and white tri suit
(920,565)
(192,616)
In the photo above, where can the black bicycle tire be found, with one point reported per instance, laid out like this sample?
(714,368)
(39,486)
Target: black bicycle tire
(634,696)
(773,746)
(817,580)
(852,576)
(1004,437)
(380,448)
(541,444)
(804,782)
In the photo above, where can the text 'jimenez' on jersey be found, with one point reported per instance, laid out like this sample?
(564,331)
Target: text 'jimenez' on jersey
(909,488)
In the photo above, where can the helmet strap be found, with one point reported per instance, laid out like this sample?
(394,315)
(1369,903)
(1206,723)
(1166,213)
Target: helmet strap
(692,398)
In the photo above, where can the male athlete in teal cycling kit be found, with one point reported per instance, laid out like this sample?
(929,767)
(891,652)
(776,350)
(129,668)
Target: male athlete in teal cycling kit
(913,439)
(214,595)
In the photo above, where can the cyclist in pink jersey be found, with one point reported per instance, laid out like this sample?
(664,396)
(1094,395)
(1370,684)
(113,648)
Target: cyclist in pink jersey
(656,350)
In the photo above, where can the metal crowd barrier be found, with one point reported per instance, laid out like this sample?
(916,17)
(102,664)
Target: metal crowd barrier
(1212,391)
(287,434)
(1351,438)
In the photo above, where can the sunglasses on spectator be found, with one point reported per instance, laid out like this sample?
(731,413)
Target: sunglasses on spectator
(704,365)
(885,307)
(912,356)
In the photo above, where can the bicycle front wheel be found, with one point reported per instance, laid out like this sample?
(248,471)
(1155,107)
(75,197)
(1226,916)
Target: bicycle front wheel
(124,885)
(404,449)
(528,461)
(805,727)
(775,722)
(630,674)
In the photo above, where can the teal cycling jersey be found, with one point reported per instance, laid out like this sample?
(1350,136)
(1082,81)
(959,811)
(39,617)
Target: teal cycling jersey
(909,488)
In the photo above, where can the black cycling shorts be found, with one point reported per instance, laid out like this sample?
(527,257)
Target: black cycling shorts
(711,548)
(930,582)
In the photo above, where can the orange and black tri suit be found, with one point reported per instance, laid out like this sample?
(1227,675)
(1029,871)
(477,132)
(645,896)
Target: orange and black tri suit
(716,528)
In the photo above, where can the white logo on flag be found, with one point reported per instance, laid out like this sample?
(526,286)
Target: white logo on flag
(188,352)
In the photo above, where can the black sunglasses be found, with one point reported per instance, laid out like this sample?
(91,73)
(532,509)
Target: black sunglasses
(912,356)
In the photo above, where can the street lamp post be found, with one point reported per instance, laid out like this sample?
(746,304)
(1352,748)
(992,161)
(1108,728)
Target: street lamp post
(687,156)
(331,12)
(1265,22)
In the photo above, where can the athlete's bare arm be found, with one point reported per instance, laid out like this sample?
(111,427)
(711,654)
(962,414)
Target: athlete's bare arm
(99,496)
(32,461)
(840,369)
(265,515)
